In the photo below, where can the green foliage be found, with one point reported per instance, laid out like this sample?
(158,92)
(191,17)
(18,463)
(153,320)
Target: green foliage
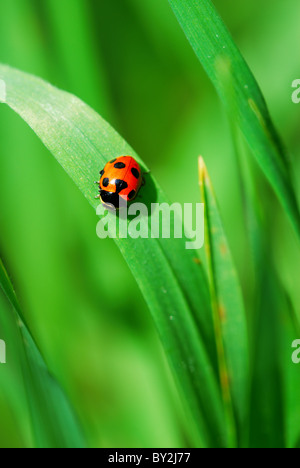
(229,314)
(53,420)
(226,320)
(215,49)
(82,142)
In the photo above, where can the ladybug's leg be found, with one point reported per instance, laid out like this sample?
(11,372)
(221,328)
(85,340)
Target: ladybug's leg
(101,174)
(143,178)
(97,197)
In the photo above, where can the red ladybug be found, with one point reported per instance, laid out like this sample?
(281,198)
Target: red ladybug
(120,177)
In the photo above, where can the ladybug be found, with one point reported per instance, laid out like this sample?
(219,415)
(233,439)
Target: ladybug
(121,177)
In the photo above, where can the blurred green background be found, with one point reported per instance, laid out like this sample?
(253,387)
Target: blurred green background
(130,61)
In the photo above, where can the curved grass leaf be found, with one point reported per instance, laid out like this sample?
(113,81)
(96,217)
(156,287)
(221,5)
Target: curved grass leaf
(53,420)
(172,282)
(214,47)
(229,315)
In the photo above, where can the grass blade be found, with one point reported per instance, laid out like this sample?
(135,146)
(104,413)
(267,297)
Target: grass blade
(274,407)
(12,391)
(214,47)
(53,419)
(267,422)
(229,315)
(82,143)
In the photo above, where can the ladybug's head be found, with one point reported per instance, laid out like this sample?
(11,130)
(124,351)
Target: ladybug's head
(110,199)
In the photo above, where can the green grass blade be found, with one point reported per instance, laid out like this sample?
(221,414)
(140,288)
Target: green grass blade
(214,46)
(267,422)
(290,372)
(174,285)
(229,315)
(274,408)
(53,420)
(12,391)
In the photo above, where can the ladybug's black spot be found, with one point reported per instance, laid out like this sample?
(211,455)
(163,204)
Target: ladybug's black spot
(110,199)
(112,161)
(120,165)
(135,173)
(120,185)
(132,194)
(105,182)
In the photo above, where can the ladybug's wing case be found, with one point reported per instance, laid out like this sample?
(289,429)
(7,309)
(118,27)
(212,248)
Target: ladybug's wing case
(111,174)
(122,175)
(133,179)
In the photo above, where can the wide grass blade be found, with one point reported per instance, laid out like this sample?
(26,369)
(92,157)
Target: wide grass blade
(54,422)
(229,315)
(214,47)
(170,277)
